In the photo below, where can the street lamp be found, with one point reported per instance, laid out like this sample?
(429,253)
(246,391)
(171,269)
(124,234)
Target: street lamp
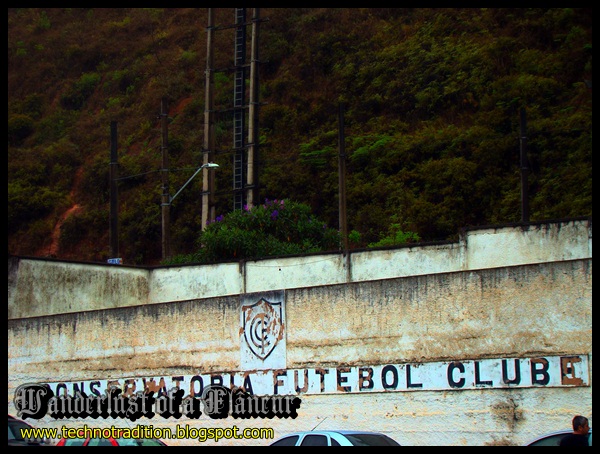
(209,165)
(166,204)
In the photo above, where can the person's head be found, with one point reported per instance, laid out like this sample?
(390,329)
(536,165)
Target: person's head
(581,425)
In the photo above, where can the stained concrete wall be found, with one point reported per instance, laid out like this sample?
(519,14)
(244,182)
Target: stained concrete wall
(529,310)
(38,287)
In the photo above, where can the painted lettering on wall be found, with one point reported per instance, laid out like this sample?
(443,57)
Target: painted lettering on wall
(547,371)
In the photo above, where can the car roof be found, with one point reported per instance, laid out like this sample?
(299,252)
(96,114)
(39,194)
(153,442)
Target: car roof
(111,438)
(303,433)
(13,418)
(350,432)
(337,431)
(15,421)
(333,433)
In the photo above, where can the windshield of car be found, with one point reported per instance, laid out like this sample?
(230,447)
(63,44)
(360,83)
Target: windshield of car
(287,441)
(315,440)
(14,429)
(371,440)
(138,442)
(73,442)
(16,438)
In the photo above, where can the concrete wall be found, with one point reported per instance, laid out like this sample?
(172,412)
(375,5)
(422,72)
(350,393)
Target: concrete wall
(38,287)
(442,314)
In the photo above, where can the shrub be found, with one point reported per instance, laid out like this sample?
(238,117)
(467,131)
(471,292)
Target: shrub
(275,228)
(396,237)
(19,128)
(81,90)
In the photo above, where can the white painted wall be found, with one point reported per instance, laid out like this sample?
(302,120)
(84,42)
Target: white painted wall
(508,312)
(497,293)
(38,287)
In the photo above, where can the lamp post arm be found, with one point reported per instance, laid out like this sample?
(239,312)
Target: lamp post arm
(209,165)
(186,183)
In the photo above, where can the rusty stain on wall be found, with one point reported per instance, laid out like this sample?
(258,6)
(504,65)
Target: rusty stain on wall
(508,411)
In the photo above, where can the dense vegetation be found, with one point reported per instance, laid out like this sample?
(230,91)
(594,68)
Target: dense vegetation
(276,227)
(432,102)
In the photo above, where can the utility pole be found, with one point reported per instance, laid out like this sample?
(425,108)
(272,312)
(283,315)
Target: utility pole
(253,136)
(524,170)
(114,195)
(166,203)
(342,180)
(208,203)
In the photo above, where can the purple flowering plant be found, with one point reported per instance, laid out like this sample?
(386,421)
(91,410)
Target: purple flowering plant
(274,228)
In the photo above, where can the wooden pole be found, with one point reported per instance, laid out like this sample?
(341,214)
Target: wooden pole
(524,170)
(342,180)
(166,202)
(114,194)
(253,136)
(208,201)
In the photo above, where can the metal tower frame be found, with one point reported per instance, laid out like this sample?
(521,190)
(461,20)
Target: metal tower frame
(245,116)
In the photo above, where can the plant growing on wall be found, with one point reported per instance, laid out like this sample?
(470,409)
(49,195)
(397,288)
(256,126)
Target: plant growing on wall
(277,227)
(395,236)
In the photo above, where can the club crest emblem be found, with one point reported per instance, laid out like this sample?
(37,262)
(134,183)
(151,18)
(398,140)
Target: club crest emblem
(262,327)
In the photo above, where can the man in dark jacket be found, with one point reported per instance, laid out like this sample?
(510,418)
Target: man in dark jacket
(579,437)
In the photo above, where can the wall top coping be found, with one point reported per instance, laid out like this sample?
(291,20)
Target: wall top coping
(463,231)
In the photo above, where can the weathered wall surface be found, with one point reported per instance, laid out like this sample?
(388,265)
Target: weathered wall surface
(531,311)
(506,312)
(43,287)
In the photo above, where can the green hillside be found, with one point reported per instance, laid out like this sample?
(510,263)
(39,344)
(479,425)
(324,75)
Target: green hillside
(432,120)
